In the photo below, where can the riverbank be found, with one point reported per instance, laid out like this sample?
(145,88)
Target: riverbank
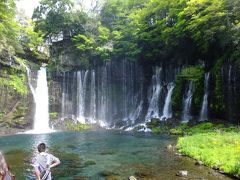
(214,145)
(4,130)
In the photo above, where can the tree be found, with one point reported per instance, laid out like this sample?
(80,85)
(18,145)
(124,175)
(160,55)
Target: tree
(8,28)
(57,20)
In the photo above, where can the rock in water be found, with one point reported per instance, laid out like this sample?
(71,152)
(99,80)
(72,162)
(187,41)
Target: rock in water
(132,178)
(199,163)
(182,173)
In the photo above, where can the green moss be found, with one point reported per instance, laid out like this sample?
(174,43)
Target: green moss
(204,127)
(194,74)
(179,130)
(15,78)
(153,123)
(53,114)
(161,129)
(77,126)
(157,126)
(217,105)
(177,96)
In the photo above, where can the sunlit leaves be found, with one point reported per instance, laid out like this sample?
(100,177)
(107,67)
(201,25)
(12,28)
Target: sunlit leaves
(8,27)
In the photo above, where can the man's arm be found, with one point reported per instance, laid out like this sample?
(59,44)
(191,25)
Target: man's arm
(37,173)
(55,161)
(35,164)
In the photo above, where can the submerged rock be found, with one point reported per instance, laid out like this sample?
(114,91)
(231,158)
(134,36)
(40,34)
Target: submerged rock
(170,147)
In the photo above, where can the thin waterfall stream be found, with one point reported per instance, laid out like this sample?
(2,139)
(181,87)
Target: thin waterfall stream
(167,109)
(204,110)
(187,101)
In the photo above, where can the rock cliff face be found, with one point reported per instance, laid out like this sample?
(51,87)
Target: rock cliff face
(15,99)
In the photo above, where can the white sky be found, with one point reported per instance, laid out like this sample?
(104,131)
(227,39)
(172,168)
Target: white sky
(27,5)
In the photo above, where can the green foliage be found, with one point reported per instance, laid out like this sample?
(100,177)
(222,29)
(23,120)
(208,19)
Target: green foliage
(203,127)
(218,150)
(217,104)
(186,30)
(56,19)
(179,130)
(14,79)
(153,123)
(31,41)
(194,74)
(8,28)
(177,95)
(83,43)
(77,126)
(53,115)
(157,126)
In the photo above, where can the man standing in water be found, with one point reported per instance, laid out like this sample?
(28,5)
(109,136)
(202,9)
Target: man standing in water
(43,162)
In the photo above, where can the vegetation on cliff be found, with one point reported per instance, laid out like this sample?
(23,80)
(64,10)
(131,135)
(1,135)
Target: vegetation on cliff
(188,31)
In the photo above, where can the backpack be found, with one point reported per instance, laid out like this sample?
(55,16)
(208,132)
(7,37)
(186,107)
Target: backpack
(44,174)
(46,170)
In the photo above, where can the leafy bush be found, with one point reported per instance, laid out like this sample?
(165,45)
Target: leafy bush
(218,149)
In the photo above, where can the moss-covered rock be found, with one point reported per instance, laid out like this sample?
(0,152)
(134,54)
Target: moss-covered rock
(195,74)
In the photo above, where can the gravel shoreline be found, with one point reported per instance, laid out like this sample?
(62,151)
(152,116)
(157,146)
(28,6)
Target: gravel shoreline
(6,131)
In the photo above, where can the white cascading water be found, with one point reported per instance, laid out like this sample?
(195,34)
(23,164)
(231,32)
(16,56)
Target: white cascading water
(187,101)
(167,110)
(92,117)
(204,109)
(41,118)
(40,94)
(136,113)
(153,97)
(82,85)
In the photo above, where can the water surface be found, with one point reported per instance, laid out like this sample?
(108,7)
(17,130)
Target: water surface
(103,155)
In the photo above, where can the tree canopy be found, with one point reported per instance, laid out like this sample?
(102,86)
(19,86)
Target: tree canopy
(186,31)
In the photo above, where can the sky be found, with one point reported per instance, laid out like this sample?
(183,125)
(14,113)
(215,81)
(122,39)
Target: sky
(27,5)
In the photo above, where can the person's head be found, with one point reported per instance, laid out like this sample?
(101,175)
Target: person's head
(41,147)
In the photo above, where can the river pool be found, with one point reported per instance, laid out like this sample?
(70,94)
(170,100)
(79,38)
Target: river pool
(103,155)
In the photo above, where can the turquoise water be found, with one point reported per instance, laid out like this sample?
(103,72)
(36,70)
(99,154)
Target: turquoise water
(103,155)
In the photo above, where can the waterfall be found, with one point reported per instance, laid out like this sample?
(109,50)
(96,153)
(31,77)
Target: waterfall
(29,81)
(102,95)
(204,109)
(41,118)
(92,115)
(40,94)
(110,95)
(167,110)
(136,113)
(187,101)
(154,94)
(68,107)
(81,87)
